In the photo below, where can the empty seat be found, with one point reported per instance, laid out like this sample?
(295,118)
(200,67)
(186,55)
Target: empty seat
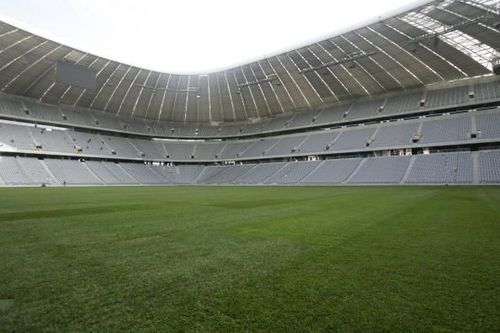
(260,173)
(71,172)
(488,125)
(352,138)
(292,173)
(381,170)
(441,168)
(489,166)
(446,130)
(332,171)
(398,134)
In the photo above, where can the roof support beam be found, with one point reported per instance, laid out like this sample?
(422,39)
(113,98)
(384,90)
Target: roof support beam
(151,95)
(349,58)
(140,94)
(375,62)
(462,24)
(269,78)
(356,63)
(128,90)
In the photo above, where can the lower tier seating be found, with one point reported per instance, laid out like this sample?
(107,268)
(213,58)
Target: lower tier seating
(482,167)
(442,168)
(489,167)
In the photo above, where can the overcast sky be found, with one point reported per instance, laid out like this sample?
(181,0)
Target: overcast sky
(190,36)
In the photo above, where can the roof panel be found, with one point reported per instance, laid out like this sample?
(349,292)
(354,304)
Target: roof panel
(338,69)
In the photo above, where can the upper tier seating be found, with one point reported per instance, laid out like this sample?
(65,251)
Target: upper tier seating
(486,91)
(402,103)
(333,114)
(365,109)
(394,103)
(447,97)
(304,119)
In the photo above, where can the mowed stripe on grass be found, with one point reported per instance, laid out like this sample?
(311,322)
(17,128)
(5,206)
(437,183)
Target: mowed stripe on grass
(250,259)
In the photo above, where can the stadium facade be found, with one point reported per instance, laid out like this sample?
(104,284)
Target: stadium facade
(412,99)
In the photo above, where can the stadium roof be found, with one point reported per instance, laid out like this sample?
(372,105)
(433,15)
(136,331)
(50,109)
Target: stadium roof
(439,41)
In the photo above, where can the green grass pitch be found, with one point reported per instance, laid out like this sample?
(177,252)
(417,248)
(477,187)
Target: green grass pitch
(253,259)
